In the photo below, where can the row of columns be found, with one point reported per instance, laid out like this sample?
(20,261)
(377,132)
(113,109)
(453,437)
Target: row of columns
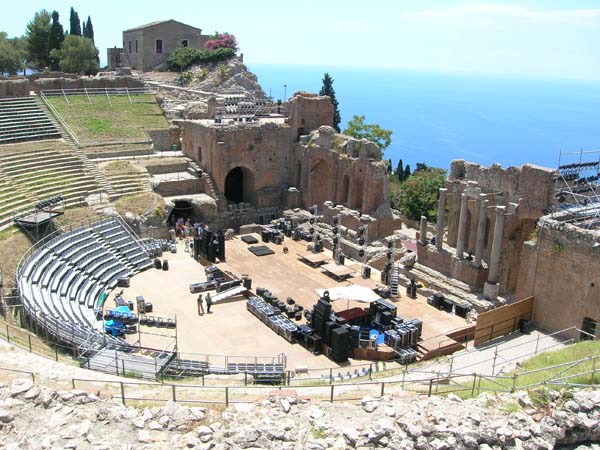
(500,211)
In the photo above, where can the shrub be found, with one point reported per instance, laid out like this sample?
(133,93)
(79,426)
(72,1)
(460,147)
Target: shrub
(221,40)
(184,57)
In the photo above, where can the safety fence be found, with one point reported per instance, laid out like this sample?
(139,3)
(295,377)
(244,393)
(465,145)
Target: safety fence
(579,373)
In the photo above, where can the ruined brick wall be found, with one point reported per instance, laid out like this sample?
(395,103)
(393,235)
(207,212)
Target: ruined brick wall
(328,166)
(561,270)
(263,151)
(527,192)
(181,187)
(164,139)
(22,87)
(447,264)
(307,112)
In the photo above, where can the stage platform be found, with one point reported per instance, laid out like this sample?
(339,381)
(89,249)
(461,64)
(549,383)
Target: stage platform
(37,218)
(230,329)
(314,259)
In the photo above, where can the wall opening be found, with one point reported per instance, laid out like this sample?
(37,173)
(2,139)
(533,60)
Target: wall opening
(239,185)
(588,327)
(345,189)
(183,209)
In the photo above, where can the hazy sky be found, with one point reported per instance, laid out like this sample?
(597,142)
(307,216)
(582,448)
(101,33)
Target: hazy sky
(549,38)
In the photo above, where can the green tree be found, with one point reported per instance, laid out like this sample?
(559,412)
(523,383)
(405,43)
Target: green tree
(20,44)
(77,55)
(421,166)
(10,60)
(400,171)
(74,23)
(38,36)
(407,172)
(327,89)
(418,194)
(374,133)
(88,29)
(83,32)
(57,35)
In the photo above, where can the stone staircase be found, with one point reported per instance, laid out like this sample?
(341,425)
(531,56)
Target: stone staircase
(214,192)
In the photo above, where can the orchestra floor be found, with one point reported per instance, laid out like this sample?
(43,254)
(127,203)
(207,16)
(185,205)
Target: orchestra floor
(230,329)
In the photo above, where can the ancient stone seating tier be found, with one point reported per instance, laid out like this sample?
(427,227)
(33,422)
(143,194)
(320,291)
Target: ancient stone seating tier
(47,169)
(21,119)
(61,282)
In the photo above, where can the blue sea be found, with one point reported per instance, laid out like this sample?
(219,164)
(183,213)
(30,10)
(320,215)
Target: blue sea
(438,117)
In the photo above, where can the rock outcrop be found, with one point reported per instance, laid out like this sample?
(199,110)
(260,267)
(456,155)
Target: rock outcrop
(38,417)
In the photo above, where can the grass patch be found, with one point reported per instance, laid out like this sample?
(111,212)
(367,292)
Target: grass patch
(108,122)
(118,166)
(545,371)
(318,433)
(138,204)
(96,125)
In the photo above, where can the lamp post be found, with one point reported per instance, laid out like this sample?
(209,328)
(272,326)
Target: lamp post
(285,92)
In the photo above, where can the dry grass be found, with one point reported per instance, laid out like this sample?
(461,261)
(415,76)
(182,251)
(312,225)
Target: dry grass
(13,244)
(152,162)
(138,204)
(119,167)
(32,146)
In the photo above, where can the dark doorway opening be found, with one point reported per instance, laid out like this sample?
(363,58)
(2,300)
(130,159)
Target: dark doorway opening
(183,209)
(239,185)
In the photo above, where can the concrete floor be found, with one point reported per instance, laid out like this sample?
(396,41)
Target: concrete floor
(230,329)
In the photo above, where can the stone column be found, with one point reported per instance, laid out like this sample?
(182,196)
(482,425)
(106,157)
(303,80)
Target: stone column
(439,227)
(491,288)
(481,229)
(462,226)
(423,231)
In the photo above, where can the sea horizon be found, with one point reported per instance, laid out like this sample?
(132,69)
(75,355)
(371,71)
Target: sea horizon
(440,116)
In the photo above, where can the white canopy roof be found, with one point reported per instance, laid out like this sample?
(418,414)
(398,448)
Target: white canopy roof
(352,292)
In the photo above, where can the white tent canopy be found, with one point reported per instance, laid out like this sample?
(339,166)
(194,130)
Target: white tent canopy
(353,292)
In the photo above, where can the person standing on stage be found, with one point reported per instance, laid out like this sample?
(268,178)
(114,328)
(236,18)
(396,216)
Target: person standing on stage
(208,303)
(200,305)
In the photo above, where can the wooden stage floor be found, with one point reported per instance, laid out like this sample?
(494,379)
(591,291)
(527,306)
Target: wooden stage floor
(230,329)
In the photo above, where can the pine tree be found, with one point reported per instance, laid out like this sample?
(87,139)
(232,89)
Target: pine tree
(75,24)
(38,36)
(89,29)
(57,35)
(400,171)
(328,90)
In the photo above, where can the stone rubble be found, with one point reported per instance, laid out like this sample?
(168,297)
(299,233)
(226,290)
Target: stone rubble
(36,417)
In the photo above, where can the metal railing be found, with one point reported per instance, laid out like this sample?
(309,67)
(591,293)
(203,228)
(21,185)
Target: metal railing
(124,91)
(582,372)
(59,118)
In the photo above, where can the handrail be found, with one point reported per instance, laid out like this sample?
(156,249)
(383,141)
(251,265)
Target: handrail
(97,91)
(59,118)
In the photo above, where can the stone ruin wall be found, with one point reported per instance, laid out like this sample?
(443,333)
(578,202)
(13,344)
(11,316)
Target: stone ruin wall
(333,167)
(23,86)
(307,112)
(561,269)
(262,150)
(322,166)
(524,192)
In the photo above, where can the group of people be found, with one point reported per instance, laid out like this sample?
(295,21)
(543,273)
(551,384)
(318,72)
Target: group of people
(201,304)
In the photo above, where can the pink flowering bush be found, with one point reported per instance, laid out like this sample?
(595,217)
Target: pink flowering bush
(224,40)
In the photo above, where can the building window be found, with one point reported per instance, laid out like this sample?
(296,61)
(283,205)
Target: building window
(129,46)
(159,46)
(588,328)
(136,47)
(184,43)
